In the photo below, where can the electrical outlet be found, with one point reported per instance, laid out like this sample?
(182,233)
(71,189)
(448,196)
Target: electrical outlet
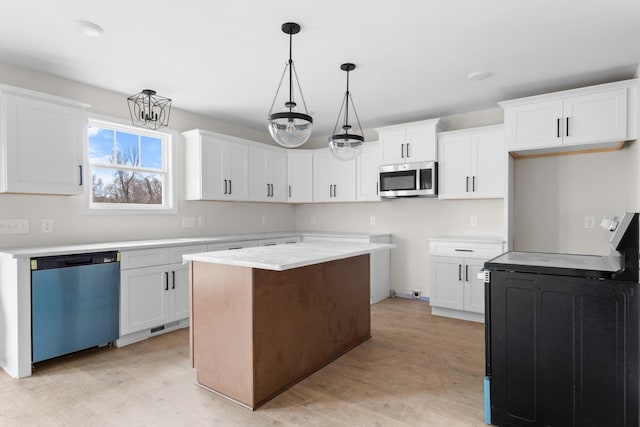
(372,220)
(313,219)
(188,222)
(264,219)
(201,221)
(46,225)
(416,294)
(589,222)
(473,220)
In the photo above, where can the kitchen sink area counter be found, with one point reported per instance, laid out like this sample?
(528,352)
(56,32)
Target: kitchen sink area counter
(263,318)
(155,265)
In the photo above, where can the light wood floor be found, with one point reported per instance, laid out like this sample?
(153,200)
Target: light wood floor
(417,370)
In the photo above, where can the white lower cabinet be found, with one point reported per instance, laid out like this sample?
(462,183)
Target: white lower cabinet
(154,291)
(456,290)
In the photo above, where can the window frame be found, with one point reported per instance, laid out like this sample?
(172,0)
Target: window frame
(169,205)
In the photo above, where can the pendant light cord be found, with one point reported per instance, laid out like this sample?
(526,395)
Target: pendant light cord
(346,111)
(290,68)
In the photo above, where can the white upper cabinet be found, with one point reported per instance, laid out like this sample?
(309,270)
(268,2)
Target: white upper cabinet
(268,174)
(300,176)
(41,143)
(333,180)
(600,116)
(216,166)
(367,167)
(472,163)
(409,142)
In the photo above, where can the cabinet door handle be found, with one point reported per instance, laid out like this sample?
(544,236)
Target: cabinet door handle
(225,186)
(267,190)
(473,183)
(466,273)
(558,128)
(567,127)
(466,187)
(408,155)
(80,167)
(230,191)
(460,272)
(173,280)
(166,280)
(463,250)
(289,191)
(271,190)
(335,190)
(377,188)
(402,151)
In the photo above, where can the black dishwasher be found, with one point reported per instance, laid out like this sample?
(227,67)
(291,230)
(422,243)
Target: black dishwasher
(75,303)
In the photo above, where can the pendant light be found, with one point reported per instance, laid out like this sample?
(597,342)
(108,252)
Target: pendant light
(290,128)
(348,144)
(149,110)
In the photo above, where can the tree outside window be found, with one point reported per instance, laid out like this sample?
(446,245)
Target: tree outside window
(128,168)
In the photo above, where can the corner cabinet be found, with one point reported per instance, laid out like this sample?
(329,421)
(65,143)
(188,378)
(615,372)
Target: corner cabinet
(216,166)
(154,291)
(472,163)
(41,143)
(300,176)
(333,180)
(594,117)
(268,174)
(409,142)
(456,290)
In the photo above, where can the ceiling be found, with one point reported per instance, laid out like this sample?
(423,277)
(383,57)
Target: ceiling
(224,59)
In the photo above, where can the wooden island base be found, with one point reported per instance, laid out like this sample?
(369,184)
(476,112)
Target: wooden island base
(256,332)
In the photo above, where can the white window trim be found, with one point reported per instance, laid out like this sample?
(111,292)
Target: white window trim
(170,206)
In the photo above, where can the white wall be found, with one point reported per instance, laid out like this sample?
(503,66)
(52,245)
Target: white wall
(554,194)
(73,225)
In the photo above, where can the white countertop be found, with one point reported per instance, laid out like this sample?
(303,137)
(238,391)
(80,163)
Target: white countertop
(149,244)
(285,257)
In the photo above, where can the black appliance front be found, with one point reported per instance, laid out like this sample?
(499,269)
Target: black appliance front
(561,350)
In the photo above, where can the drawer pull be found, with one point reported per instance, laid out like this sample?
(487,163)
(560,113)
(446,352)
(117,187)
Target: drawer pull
(463,250)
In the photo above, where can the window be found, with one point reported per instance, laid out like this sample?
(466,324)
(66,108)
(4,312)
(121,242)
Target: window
(130,168)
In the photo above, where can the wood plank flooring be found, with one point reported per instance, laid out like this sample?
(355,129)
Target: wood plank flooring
(417,370)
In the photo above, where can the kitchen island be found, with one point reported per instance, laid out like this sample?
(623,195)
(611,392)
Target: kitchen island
(264,318)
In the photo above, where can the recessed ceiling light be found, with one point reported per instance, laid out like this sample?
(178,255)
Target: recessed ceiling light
(89,29)
(479,75)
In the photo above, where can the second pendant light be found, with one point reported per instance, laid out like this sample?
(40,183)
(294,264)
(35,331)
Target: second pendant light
(347,144)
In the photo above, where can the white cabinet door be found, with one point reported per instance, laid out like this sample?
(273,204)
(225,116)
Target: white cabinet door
(235,166)
(277,168)
(300,176)
(268,175)
(474,287)
(324,173)
(598,116)
(367,167)
(392,146)
(142,298)
(178,293)
(421,143)
(260,187)
(454,166)
(489,160)
(534,125)
(44,146)
(344,189)
(214,187)
(447,282)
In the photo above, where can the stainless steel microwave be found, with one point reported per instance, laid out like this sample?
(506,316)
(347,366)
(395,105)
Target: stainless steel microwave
(419,179)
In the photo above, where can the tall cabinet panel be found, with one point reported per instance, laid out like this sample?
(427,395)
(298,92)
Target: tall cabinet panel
(41,143)
(367,166)
(300,176)
(268,174)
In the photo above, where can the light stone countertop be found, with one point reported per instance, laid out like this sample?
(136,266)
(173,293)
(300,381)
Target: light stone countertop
(285,257)
(40,251)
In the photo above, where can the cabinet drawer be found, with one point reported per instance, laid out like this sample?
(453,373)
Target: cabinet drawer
(231,245)
(143,258)
(175,253)
(466,249)
(278,241)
